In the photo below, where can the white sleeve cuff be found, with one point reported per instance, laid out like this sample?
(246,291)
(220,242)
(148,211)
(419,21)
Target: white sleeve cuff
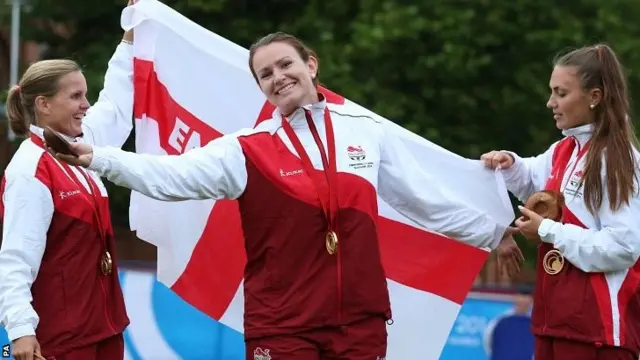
(517,161)
(513,155)
(545,229)
(20,331)
(100,160)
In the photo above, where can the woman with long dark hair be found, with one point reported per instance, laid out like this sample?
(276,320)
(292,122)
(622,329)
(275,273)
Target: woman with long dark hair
(587,296)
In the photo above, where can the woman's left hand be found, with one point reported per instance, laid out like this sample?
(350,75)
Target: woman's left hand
(529,223)
(510,258)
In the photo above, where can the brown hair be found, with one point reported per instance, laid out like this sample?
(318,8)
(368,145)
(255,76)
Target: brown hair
(614,136)
(40,79)
(302,50)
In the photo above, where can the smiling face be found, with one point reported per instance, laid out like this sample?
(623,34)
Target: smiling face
(284,77)
(65,110)
(572,104)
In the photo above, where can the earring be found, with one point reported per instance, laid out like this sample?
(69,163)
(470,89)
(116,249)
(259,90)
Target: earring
(592,106)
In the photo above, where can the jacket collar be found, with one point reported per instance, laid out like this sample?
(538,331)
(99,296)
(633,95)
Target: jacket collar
(297,118)
(581,133)
(37,135)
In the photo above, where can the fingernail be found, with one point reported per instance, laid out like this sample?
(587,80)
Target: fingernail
(520,207)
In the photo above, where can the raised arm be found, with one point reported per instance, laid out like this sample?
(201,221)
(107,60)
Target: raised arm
(27,209)
(110,120)
(421,198)
(215,171)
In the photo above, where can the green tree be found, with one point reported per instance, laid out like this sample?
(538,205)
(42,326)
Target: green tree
(468,75)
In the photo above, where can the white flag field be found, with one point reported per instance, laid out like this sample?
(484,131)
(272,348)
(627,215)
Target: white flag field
(192,86)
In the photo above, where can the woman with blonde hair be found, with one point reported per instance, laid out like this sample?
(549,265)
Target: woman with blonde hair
(60,295)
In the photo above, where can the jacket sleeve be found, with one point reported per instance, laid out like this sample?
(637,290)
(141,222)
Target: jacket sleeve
(215,171)
(110,120)
(614,247)
(28,209)
(422,198)
(528,175)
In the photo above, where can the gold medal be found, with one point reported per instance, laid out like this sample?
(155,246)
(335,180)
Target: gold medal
(106,264)
(331,242)
(553,262)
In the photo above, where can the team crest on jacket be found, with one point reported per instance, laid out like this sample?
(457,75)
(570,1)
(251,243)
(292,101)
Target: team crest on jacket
(358,155)
(260,354)
(574,186)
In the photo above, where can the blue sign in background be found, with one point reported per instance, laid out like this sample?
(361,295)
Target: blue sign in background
(466,339)
(183,332)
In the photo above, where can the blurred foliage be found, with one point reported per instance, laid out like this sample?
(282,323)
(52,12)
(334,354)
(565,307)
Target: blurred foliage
(468,75)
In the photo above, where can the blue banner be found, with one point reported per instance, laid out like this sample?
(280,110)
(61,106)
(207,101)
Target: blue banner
(466,339)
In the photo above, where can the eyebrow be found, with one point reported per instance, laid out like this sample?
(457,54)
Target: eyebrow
(286,57)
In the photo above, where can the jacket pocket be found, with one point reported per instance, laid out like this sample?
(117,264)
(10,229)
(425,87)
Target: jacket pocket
(571,305)
(50,301)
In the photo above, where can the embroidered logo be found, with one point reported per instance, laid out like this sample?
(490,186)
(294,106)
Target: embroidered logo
(260,354)
(290,173)
(575,182)
(66,194)
(574,187)
(356,153)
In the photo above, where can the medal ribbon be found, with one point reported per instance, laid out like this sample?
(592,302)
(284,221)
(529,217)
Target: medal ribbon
(328,199)
(553,261)
(93,194)
(564,164)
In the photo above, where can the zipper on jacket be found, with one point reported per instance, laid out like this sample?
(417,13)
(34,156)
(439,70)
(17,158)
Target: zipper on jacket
(544,304)
(339,283)
(561,189)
